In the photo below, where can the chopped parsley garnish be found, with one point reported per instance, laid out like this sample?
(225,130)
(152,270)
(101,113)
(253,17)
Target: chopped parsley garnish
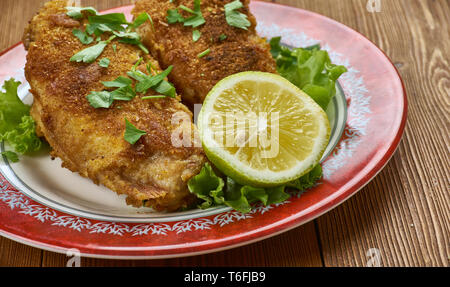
(174,16)
(223,37)
(204,53)
(82,36)
(120,82)
(128,37)
(76,12)
(141,19)
(132,134)
(104,63)
(157,83)
(101,99)
(123,94)
(124,88)
(114,23)
(234,17)
(105,99)
(196,34)
(153,97)
(89,55)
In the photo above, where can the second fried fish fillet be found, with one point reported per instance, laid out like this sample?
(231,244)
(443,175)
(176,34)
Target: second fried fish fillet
(91,141)
(231,49)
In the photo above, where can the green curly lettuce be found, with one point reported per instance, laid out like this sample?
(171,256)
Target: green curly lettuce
(208,187)
(309,68)
(17,127)
(213,191)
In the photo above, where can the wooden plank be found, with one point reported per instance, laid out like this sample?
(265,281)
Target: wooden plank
(404,212)
(17,254)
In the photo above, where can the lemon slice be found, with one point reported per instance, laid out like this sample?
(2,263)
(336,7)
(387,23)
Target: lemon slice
(261,130)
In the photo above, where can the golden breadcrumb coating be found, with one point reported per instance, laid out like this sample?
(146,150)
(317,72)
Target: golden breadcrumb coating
(172,44)
(91,141)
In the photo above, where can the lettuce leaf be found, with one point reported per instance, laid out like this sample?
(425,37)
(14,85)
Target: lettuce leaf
(307,181)
(208,187)
(212,190)
(309,68)
(17,127)
(11,156)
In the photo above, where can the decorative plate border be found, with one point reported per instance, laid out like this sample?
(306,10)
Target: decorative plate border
(15,200)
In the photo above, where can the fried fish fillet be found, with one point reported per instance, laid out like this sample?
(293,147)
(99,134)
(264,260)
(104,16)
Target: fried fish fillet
(91,141)
(172,44)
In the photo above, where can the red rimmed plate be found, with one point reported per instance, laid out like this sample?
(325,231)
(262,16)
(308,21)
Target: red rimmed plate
(46,206)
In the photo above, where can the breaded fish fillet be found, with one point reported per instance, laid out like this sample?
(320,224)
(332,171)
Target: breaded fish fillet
(91,141)
(172,44)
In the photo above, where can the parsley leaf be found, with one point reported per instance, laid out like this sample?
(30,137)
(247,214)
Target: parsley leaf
(204,53)
(165,88)
(153,97)
(196,34)
(120,82)
(82,36)
(109,19)
(128,35)
(104,63)
(132,134)
(152,81)
(101,99)
(76,12)
(99,28)
(223,37)
(123,94)
(104,99)
(173,15)
(141,19)
(114,23)
(235,18)
(157,83)
(89,55)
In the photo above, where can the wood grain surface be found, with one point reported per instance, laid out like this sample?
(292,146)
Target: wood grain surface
(404,212)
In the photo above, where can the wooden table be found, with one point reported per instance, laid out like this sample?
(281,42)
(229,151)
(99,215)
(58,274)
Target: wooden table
(404,212)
